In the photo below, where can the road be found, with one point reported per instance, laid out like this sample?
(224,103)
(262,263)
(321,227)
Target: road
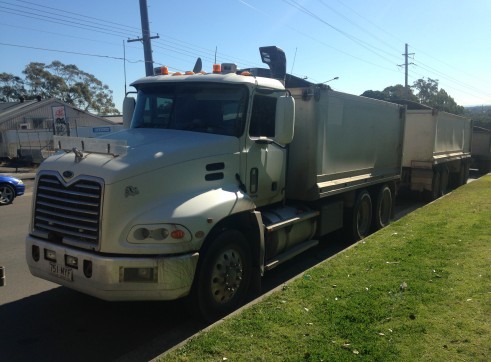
(40,320)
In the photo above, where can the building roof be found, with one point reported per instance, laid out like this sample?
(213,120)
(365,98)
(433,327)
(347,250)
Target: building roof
(9,110)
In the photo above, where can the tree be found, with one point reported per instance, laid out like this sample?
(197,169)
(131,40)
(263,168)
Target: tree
(426,89)
(481,116)
(40,82)
(374,94)
(398,92)
(430,95)
(64,82)
(82,89)
(391,93)
(442,101)
(11,87)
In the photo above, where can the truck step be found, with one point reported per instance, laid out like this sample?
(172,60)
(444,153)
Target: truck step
(287,255)
(284,223)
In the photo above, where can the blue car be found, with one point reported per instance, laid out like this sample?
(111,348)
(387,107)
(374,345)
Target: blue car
(10,188)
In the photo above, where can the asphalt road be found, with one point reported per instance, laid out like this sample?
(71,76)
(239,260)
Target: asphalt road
(41,321)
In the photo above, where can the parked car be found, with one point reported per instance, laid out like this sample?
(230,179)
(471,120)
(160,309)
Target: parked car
(10,188)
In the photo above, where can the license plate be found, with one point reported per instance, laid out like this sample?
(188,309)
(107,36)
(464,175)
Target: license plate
(61,271)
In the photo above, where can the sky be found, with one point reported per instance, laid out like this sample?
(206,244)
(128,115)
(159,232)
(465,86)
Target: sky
(361,42)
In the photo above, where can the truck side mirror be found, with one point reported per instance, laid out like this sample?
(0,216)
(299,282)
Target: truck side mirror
(285,120)
(128,109)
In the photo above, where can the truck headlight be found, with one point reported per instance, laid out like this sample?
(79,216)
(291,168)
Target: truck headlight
(158,233)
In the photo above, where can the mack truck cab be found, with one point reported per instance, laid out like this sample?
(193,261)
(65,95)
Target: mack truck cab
(168,207)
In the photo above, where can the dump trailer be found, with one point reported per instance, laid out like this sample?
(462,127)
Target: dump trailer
(481,149)
(436,154)
(219,178)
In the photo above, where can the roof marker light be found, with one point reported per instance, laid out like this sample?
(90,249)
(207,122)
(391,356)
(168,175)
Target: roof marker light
(177,73)
(217,68)
(164,70)
(189,72)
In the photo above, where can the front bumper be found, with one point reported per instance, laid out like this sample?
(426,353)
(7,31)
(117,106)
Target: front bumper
(172,280)
(20,189)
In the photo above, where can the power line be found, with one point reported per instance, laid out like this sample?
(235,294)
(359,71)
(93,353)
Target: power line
(64,12)
(365,30)
(320,41)
(71,52)
(360,42)
(65,35)
(433,70)
(61,22)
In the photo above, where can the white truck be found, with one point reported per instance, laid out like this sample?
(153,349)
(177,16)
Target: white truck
(437,150)
(219,178)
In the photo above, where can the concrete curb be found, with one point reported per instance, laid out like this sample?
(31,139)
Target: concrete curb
(22,176)
(23,173)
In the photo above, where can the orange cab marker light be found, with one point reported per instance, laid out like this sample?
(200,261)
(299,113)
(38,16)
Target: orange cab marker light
(177,73)
(164,70)
(246,73)
(189,72)
(217,68)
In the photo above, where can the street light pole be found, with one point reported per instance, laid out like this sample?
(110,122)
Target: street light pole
(335,78)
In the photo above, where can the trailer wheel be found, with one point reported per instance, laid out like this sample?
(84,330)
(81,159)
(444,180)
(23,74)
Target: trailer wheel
(462,176)
(361,216)
(383,208)
(222,277)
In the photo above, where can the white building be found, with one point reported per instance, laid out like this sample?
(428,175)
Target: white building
(27,127)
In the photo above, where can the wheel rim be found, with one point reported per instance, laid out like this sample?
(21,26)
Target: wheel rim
(6,195)
(385,207)
(226,276)
(363,217)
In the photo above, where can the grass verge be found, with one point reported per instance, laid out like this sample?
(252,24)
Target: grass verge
(418,290)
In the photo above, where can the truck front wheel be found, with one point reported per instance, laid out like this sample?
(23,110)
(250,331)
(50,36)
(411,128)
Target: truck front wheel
(222,277)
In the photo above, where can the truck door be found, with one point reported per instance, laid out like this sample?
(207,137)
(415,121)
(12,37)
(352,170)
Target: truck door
(266,160)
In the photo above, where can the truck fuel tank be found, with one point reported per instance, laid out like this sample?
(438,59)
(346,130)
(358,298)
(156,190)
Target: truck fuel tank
(287,226)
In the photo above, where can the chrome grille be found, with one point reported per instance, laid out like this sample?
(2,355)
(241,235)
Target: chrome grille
(68,214)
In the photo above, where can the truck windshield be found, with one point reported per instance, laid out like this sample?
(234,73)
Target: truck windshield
(208,108)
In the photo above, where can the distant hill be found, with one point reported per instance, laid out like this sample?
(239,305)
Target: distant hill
(481,115)
(478,109)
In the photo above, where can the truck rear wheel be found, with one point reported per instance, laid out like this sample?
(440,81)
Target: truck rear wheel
(435,186)
(222,277)
(444,175)
(383,208)
(360,216)
(465,167)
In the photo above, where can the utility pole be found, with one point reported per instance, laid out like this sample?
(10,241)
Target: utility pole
(406,64)
(145,39)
